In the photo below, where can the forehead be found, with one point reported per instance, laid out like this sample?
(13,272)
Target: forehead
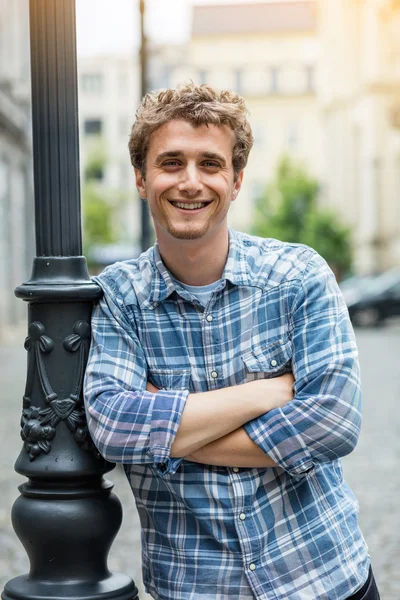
(182,136)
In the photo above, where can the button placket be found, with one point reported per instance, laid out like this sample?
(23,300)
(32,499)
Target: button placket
(245,527)
(212,356)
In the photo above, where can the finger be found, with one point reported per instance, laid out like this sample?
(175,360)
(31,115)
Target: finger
(151,388)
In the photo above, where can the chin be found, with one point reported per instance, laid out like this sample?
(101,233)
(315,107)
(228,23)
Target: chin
(187,233)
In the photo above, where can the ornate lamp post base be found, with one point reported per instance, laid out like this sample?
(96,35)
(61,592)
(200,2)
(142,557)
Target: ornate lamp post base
(67,534)
(66,516)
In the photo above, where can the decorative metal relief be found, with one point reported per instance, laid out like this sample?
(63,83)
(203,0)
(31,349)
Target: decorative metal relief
(38,425)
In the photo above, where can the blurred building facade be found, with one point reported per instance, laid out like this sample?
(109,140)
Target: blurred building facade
(16,187)
(108,97)
(266,52)
(321,81)
(360,99)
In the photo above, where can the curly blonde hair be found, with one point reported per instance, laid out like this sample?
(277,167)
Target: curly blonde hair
(197,104)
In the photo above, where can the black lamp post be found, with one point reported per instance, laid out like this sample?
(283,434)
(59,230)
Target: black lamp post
(146,240)
(66,516)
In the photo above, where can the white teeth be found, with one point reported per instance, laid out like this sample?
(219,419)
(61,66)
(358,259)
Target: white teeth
(192,206)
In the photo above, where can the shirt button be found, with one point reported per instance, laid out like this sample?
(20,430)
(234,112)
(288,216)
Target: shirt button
(242,516)
(235,469)
(306,468)
(273,363)
(209,318)
(214,374)
(252,567)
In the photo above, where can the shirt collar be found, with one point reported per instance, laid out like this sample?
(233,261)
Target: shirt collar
(162,284)
(236,271)
(236,267)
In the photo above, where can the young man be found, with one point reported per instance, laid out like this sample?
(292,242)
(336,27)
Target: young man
(223,375)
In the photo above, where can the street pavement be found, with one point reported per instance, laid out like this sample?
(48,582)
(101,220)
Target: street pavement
(372,470)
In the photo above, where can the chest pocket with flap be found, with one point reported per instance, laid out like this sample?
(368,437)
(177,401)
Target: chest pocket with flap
(265,362)
(170,379)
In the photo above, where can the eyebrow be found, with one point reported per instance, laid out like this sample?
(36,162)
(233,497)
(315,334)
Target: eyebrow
(169,154)
(214,156)
(179,154)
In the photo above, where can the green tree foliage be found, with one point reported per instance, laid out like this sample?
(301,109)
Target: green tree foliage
(289,212)
(97,209)
(97,217)
(105,231)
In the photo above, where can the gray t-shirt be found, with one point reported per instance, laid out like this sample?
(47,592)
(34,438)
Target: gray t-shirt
(203,293)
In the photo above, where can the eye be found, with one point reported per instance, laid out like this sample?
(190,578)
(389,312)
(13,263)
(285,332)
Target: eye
(211,164)
(171,163)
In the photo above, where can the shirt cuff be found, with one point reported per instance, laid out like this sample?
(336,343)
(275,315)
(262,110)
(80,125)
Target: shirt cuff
(166,417)
(276,436)
(168,466)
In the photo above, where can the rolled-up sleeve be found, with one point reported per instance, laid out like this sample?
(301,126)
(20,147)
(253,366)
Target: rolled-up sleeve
(322,422)
(127,423)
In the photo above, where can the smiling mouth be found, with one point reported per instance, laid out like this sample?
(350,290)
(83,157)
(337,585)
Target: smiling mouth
(189,206)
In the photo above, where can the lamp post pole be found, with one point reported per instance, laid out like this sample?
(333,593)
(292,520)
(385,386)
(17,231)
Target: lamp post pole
(66,516)
(145,217)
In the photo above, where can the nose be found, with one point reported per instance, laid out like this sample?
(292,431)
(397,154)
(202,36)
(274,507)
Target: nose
(190,183)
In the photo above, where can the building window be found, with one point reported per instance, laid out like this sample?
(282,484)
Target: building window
(4,181)
(93,127)
(160,76)
(258,134)
(203,76)
(124,126)
(123,83)
(238,81)
(124,174)
(310,78)
(292,136)
(92,83)
(274,80)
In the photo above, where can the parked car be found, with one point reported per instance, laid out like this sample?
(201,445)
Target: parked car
(355,287)
(375,299)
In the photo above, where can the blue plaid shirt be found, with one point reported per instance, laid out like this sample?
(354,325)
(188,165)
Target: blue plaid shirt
(284,533)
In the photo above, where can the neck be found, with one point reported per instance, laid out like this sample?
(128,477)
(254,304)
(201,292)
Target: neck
(195,262)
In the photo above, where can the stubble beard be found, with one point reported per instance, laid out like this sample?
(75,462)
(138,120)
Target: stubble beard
(186,232)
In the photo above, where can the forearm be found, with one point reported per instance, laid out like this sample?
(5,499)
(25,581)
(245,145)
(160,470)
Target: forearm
(233,450)
(212,415)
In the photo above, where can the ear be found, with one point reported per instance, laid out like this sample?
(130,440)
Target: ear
(237,185)
(140,184)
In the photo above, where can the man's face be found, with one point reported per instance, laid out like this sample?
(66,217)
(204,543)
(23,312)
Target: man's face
(189,181)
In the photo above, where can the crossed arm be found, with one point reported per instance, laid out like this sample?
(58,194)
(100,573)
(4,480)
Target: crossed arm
(233,450)
(211,429)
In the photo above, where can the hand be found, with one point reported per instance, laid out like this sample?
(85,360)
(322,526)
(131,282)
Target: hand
(151,388)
